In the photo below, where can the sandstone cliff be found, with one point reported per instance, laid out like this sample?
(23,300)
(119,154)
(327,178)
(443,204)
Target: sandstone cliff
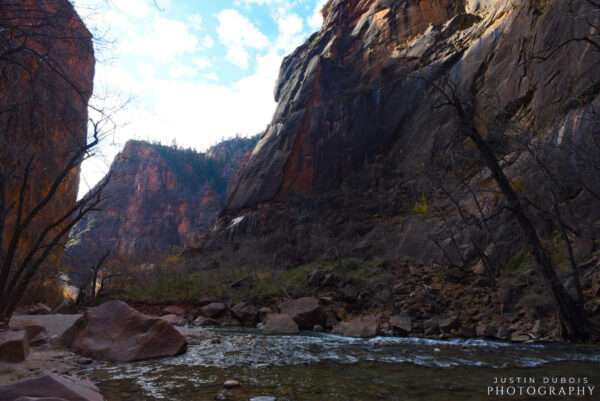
(355,163)
(356,113)
(159,199)
(46,79)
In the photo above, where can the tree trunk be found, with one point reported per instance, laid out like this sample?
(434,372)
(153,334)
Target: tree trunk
(572,315)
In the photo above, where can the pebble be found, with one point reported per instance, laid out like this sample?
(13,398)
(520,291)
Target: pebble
(231,384)
(263,398)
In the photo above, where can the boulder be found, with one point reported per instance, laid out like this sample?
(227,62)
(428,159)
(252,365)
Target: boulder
(206,301)
(448,324)
(246,313)
(519,337)
(306,312)
(504,333)
(213,310)
(51,387)
(36,333)
(401,324)
(486,330)
(175,320)
(365,326)
(278,323)
(263,312)
(14,346)
(431,326)
(116,332)
(174,310)
(202,321)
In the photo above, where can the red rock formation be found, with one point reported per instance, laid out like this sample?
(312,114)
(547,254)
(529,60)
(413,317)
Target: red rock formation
(46,79)
(160,199)
(357,128)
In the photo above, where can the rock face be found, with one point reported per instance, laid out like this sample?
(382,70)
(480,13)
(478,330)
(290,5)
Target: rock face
(338,96)
(116,332)
(46,80)
(159,199)
(350,165)
(52,388)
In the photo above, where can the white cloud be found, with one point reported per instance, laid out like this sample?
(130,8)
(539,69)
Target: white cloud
(167,64)
(208,42)
(163,39)
(134,8)
(201,63)
(196,22)
(182,71)
(238,35)
(290,31)
(316,19)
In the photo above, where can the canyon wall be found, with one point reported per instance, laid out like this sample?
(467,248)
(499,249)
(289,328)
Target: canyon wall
(46,80)
(358,123)
(159,200)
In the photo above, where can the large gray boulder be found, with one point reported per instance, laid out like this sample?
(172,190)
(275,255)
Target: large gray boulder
(365,326)
(116,332)
(280,324)
(306,312)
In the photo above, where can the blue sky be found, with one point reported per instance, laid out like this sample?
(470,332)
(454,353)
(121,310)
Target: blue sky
(193,71)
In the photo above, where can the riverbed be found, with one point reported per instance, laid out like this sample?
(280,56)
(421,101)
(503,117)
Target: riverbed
(325,367)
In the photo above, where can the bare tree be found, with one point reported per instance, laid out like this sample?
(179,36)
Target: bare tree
(42,101)
(572,313)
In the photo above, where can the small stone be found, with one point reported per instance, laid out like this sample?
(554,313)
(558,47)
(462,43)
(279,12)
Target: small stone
(449,324)
(263,398)
(229,384)
(223,396)
(519,338)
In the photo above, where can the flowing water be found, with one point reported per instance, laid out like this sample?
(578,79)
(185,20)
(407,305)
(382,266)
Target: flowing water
(323,367)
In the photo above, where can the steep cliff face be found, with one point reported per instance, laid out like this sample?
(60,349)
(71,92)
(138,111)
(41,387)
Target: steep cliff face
(46,79)
(356,103)
(159,199)
(366,160)
(357,88)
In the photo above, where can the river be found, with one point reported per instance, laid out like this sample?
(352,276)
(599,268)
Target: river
(324,367)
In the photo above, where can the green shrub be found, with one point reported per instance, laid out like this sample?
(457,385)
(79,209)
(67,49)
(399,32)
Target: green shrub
(422,206)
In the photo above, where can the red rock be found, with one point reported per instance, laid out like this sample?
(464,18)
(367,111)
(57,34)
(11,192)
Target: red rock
(164,198)
(51,388)
(116,332)
(55,122)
